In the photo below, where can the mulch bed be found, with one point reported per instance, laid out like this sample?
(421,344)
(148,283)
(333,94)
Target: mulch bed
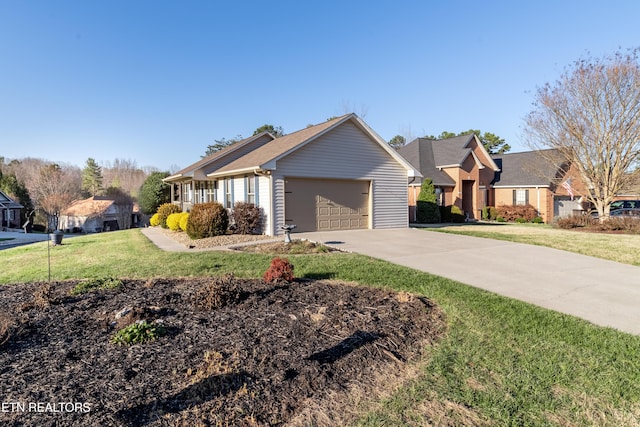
(235,352)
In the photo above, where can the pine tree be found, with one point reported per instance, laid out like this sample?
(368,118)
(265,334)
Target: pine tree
(91,177)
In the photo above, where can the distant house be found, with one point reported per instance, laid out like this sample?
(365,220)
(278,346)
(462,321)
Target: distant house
(97,214)
(336,175)
(461,170)
(10,211)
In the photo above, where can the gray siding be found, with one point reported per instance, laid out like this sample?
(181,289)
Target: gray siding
(348,153)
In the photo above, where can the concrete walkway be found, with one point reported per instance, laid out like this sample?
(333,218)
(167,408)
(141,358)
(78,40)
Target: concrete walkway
(603,292)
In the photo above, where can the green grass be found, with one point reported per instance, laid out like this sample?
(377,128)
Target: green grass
(502,362)
(624,248)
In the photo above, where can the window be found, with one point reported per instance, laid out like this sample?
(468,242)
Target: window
(211,190)
(186,193)
(520,197)
(250,188)
(228,193)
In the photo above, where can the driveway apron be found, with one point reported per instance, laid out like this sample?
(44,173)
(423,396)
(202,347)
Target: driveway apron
(603,292)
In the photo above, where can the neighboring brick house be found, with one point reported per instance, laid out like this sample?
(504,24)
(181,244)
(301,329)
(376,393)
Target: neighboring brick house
(10,212)
(336,175)
(461,170)
(541,179)
(465,175)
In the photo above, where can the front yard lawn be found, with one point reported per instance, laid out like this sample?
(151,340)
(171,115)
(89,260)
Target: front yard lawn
(500,361)
(624,248)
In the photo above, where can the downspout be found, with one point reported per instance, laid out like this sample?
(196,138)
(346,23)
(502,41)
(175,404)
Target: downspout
(267,173)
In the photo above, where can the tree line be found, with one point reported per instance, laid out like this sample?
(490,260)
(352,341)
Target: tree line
(46,188)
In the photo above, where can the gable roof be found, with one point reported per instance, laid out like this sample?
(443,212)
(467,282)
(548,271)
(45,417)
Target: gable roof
(206,161)
(93,206)
(7,202)
(420,154)
(529,168)
(431,156)
(265,156)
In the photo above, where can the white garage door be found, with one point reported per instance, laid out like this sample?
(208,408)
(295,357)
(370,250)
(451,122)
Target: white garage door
(563,206)
(326,204)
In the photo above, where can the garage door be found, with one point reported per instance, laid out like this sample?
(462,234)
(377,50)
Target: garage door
(326,204)
(563,206)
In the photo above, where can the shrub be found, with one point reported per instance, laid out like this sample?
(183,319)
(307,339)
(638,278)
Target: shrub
(626,224)
(280,269)
(154,221)
(537,220)
(219,293)
(576,221)
(173,221)
(96,284)
(138,332)
(512,212)
(500,219)
(164,211)
(7,328)
(246,218)
(427,210)
(207,220)
(493,212)
(451,213)
(184,217)
(520,220)
(485,213)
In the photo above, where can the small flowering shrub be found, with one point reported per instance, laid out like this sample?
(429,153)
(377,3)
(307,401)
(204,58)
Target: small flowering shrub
(164,211)
(173,221)
(279,270)
(155,220)
(184,217)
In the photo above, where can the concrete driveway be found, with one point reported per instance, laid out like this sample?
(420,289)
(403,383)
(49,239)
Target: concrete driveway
(18,239)
(603,292)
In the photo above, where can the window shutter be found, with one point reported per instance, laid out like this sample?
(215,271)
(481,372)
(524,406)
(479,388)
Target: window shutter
(514,197)
(526,197)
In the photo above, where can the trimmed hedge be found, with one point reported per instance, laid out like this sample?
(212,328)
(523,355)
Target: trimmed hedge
(164,211)
(451,213)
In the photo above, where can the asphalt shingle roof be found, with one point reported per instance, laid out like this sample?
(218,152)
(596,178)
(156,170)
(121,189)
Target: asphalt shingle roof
(419,153)
(529,168)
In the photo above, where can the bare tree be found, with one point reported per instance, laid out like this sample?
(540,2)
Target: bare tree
(52,189)
(591,115)
(123,174)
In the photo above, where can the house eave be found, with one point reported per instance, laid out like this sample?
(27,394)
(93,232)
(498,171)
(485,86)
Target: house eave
(234,172)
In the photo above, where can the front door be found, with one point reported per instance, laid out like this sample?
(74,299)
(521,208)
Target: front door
(467,199)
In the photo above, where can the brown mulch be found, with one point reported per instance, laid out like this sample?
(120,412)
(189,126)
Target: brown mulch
(235,352)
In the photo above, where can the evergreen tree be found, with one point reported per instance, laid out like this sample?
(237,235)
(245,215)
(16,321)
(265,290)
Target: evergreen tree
(91,178)
(154,192)
(427,210)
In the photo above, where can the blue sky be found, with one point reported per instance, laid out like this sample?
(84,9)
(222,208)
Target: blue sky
(158,81)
